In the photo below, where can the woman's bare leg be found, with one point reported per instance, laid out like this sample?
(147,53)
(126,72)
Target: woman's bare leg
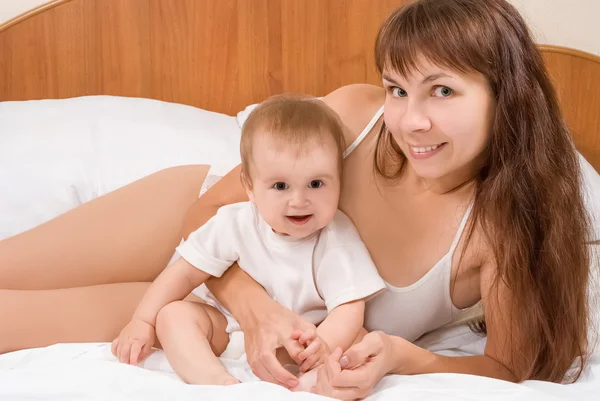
(87,314)
(128,235)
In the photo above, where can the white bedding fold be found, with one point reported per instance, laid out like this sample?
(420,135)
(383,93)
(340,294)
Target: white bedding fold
(89,372)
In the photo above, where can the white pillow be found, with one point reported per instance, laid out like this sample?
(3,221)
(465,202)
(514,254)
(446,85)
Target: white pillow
(242,116)
(58,154)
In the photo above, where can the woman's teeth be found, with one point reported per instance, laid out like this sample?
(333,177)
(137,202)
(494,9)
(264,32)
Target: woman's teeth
(424,149)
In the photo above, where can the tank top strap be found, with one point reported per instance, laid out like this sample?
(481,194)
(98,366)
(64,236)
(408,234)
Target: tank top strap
(461,228)
(364,132)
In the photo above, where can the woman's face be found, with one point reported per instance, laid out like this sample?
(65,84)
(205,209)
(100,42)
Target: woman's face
(440,118)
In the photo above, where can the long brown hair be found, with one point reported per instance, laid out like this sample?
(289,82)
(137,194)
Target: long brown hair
(528,201)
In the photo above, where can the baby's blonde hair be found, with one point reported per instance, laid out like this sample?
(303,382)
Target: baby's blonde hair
(294,121)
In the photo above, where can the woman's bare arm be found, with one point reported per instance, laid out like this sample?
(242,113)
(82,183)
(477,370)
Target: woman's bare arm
(496,362)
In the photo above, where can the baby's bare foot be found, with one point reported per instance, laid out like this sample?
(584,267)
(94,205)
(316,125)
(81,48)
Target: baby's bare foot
(229,381)
(219,378)
(307,381)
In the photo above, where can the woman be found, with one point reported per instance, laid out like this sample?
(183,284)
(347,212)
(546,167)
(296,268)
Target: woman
(472,133)
(460,191)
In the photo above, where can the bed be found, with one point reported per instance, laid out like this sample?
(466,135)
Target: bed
(86,83)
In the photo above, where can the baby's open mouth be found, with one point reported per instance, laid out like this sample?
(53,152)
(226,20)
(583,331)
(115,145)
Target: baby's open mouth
(300,219)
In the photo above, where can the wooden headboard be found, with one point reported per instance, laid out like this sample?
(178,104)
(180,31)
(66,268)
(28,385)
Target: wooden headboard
(576,77)
(222,55)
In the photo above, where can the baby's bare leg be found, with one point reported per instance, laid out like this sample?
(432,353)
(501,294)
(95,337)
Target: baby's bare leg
(192,335)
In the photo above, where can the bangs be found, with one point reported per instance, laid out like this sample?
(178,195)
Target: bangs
(438,31)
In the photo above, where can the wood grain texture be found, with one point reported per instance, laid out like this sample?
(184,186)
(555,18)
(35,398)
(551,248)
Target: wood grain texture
(222,55)
(576,77)
(219,55)
(30,13)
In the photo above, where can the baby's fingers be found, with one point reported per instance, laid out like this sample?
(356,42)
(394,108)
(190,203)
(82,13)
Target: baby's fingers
(124,351)
(115,346)
(312,349)
(310,363)
(308,336)
(134,355)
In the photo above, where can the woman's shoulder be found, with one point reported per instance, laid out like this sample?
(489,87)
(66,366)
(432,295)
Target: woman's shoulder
(356,105)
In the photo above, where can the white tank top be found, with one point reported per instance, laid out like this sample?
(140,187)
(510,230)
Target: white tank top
(409,312)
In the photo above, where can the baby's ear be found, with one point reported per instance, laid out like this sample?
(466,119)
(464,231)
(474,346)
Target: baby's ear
(250,195)
(247,185)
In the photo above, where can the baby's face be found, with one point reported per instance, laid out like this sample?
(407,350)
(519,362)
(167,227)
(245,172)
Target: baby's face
(296,193)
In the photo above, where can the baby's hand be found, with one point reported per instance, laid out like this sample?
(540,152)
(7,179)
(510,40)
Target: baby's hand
(135,342)
(316,349)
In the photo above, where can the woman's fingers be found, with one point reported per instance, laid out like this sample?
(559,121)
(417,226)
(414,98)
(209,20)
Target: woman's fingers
(325,373)
(360,353)
(328,374)
(352,378)
(268,368)
(280,374)
(294,349)
(332,364)
(339,393)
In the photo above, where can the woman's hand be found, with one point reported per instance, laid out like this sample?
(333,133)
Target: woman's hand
(353,375)
(267,332)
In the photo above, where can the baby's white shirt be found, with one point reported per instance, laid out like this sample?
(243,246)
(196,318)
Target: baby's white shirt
(310,276)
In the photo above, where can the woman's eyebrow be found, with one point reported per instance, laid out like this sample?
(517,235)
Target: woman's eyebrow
(389,79)
(433,77)
(427,79)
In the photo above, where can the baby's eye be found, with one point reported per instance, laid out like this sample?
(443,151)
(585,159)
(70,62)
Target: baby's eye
(280,186)
(443,91)
(316,184)
(398,92)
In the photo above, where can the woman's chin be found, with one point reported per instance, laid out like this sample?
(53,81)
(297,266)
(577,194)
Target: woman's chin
(429,174)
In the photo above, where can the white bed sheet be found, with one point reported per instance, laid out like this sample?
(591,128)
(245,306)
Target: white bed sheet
(90,372)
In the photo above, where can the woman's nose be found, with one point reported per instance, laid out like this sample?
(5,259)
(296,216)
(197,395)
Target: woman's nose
(414,118)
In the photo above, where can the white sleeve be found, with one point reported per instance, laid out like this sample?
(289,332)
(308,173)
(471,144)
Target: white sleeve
(344,270)
(212,247)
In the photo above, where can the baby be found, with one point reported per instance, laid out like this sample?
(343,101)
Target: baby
(290,238)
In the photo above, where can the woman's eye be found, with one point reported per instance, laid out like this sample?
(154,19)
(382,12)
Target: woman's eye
(280,186)
(398,92)
(443,91)
(316,184)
